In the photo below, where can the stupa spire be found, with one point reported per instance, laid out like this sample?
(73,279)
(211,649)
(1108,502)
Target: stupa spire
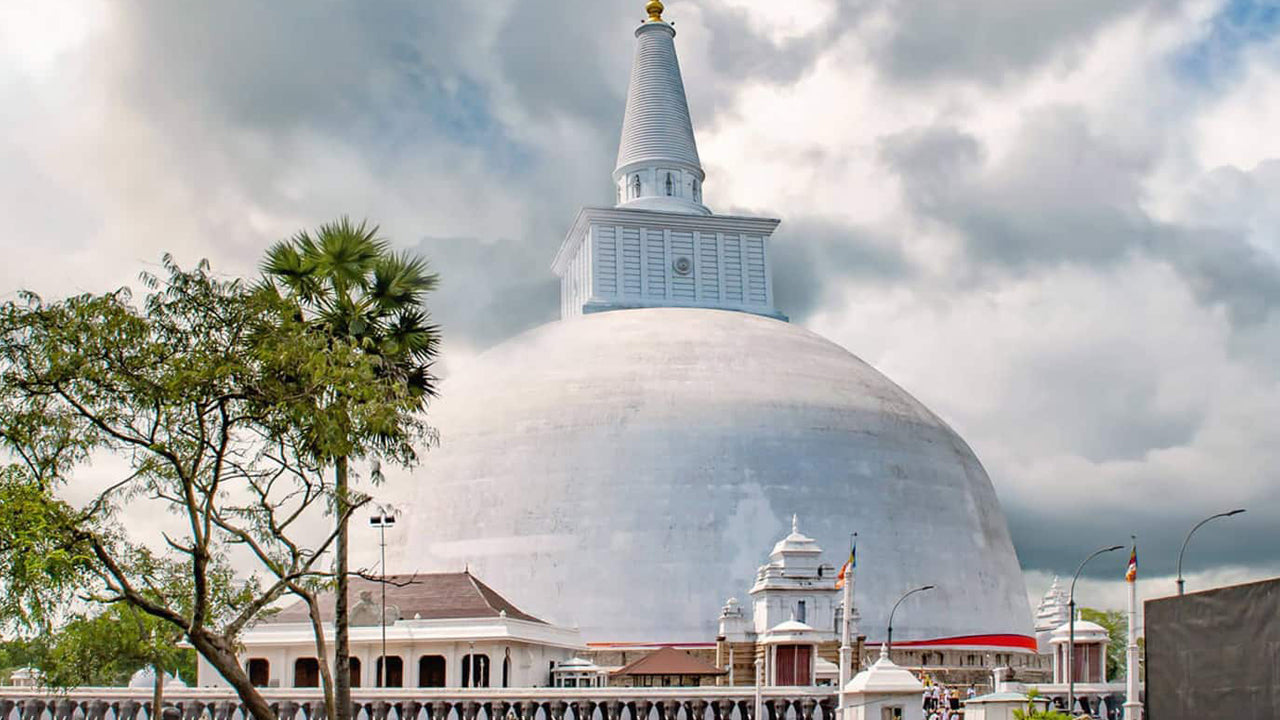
(658,166)
(659,246)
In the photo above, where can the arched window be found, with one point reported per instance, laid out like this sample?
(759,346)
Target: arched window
(392,673)
(635,186)
(697,191)
(475,670)
(800,611)
(354,667)
(259,672)
(431,671)
(506,669)
(669,189)
(306,672)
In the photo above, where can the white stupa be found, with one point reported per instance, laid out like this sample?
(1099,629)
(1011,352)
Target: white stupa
(620,469)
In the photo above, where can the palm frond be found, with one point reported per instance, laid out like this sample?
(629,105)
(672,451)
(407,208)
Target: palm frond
(345,254)
(400,281)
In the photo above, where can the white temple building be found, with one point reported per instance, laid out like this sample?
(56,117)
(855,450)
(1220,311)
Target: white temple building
(618,469)
(441,630)
(795,611)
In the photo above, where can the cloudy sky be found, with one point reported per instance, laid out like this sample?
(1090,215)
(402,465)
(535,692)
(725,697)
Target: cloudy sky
(1055,222)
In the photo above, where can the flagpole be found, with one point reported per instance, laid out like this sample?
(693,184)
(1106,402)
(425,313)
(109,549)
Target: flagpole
(1133,701)
(846,647)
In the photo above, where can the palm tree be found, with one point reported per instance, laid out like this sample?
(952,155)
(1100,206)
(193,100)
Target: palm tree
(351,285)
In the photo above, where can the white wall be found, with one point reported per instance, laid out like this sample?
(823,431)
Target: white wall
(530,666)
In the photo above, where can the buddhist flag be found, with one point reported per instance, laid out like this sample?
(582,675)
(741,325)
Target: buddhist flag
(849,564)
(1131,575)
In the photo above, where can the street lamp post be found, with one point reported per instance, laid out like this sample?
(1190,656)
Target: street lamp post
(385,518)
(889,635)
(1193,532)
(1071,632)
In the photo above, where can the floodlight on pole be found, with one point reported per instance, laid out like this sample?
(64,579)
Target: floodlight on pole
(1193,532)
(1071,632)
(889,635)
(385,518)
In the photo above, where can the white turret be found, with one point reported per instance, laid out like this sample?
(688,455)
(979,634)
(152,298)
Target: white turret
(658,166)
(1051,614)
(795,585)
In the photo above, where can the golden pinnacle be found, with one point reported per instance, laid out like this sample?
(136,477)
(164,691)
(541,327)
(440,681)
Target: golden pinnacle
(654,8)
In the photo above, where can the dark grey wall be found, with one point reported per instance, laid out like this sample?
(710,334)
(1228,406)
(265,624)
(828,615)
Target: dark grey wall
(1215,654)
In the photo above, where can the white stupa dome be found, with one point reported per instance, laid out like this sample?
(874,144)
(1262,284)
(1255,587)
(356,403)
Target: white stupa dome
(145,677)
(627,470)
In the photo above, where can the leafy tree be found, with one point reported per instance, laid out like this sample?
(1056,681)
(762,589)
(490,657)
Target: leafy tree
(1116,624)
(20,652)
(218,398)
(107,646)
(348,283)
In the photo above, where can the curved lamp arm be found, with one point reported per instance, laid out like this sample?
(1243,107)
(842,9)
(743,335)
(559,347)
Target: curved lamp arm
(1193,532)
(1095,554)
(909,593)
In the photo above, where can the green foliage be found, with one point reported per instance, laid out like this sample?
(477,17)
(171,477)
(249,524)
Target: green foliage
(20,652)
(1117,626)
(348,284)
(41,564)
(1034,713)
(108,646)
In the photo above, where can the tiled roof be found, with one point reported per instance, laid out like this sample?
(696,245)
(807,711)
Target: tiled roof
(432,596)
(669,661)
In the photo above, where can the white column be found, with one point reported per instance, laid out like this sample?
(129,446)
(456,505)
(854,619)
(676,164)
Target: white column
(759,694)
(846,649)
(1132,703)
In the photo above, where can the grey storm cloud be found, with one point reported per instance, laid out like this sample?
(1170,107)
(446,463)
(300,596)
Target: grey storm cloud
(1054,544)
(814,258)
(1065,193)
(987,41)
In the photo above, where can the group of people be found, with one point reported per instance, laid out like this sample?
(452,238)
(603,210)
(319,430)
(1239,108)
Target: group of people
(943,703)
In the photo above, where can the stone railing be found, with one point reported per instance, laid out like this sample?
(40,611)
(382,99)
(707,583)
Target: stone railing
(607,703)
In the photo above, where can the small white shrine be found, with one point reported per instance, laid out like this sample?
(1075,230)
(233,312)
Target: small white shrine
(1091,640)
(884,691)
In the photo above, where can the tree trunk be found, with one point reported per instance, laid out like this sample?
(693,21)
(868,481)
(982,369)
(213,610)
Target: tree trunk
(341,648)
(222,657)
(157,693)
(322,652)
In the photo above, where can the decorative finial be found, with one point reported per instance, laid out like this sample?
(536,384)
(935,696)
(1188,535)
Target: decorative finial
(795,524)
(654,8)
